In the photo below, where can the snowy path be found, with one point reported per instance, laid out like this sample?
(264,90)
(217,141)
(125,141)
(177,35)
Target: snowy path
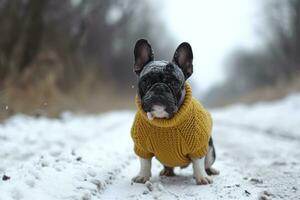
(250,167)
(91,157)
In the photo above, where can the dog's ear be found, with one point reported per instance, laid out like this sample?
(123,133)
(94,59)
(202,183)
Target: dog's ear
(183,57)
(143,54)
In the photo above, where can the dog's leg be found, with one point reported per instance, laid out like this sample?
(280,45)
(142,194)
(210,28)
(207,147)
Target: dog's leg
(210,159)
(212,171)
(199,172)
(145,171)
(167,171)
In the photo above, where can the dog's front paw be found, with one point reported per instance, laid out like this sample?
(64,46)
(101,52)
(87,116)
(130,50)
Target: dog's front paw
(140,179)
(203,180)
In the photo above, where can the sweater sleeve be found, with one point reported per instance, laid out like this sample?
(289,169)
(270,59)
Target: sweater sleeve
(197,141)
(139,140)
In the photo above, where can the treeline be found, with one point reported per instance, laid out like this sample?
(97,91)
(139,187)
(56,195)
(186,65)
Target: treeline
(71,38)
(275,61)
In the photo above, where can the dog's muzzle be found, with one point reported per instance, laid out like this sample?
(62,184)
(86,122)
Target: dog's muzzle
(160,95)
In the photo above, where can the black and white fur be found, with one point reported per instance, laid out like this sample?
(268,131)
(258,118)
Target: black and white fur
(161,90)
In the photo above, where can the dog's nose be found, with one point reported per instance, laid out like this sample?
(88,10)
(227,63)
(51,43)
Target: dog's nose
(158,111)
(157,108)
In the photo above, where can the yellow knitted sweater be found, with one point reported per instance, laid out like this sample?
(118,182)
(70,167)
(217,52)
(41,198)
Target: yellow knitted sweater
(175,141)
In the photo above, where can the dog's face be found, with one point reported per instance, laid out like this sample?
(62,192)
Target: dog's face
(161,83)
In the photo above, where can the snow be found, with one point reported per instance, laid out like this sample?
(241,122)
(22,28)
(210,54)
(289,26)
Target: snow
(91,157)
(279,117)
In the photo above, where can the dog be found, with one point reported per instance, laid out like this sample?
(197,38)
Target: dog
(166,110)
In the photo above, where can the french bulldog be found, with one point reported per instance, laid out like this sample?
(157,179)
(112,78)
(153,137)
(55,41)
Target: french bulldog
(161,91)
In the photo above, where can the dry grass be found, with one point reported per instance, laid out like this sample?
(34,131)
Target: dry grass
(270,93)
(43,97)
(39,91)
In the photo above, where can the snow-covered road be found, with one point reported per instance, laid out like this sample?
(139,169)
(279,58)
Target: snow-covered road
(91,157)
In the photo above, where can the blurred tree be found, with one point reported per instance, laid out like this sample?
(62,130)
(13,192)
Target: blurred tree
(274,61)
(283,21)
(10,30)
(87,36)
(33,32)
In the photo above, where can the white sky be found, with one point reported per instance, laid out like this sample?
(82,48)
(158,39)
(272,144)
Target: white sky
(213,28)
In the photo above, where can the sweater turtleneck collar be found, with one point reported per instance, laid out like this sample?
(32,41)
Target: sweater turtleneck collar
(183,113)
